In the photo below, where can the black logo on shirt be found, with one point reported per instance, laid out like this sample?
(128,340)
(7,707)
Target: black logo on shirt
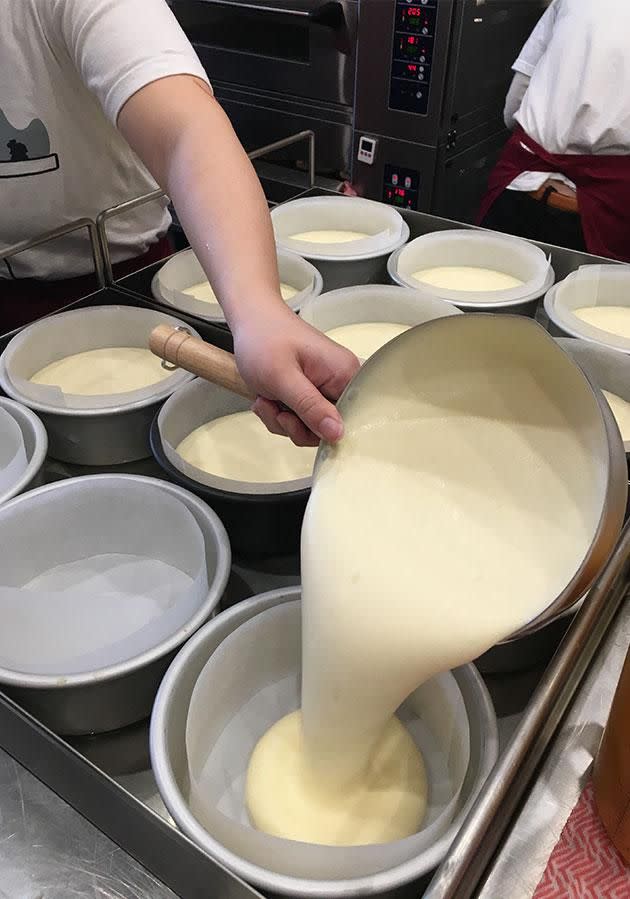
(26,151)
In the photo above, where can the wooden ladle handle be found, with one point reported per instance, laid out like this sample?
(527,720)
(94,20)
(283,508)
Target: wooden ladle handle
(202,359)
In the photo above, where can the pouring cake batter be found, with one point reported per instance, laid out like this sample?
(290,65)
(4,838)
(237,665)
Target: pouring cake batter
(239,447)
(423,545)
(466,278)
(365,338)
(614,319)
(204,292)
(109,370)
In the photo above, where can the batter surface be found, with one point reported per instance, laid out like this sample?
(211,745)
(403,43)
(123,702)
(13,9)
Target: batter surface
(329,236)
(104,371)
(240,448)
(466,278)
(204,292)
(387,803)
(614,319)
(366,338)
(621,411)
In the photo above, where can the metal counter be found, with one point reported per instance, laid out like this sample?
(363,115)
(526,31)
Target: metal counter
(48,851)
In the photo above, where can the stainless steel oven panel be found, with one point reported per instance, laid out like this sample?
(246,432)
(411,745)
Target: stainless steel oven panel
(471,45)
(461,179)
(371,180)
(448,186)
(300,48)
(377,30)
(261,119)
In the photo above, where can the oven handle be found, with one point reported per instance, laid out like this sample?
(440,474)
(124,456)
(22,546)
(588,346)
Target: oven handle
(328,13)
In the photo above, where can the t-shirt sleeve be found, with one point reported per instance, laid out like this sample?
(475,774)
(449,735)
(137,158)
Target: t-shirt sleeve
(120,46)
(538,41)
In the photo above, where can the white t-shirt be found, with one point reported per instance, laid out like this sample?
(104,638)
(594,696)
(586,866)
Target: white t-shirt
(578,101)
(67,67)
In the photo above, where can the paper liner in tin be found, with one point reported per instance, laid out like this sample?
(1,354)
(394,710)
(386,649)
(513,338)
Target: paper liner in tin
(190,408)
(383,225)
(463,247)
(13,460)
(184,270)
(374,303)
(251,681)
(607,368)
(78,331)
(592,285)
(95,574)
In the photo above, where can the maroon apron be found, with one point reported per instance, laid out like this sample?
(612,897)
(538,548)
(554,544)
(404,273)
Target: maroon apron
(603,190)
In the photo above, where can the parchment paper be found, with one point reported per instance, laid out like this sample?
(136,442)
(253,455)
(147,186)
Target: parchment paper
(250,682)
(94,575)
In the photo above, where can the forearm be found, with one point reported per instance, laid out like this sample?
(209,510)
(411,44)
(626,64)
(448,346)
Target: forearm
(514,98)
(184,138)
(219,185)
(201,165)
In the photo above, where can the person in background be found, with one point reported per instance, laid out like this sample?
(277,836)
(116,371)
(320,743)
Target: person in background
(99,101)
(564,175)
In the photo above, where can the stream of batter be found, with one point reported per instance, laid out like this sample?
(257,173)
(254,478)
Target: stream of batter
(451,513)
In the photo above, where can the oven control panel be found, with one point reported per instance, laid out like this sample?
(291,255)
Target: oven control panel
(401,187)
(412,55)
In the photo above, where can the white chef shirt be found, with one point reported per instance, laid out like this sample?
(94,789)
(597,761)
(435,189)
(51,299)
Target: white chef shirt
(577,102)
(67,67)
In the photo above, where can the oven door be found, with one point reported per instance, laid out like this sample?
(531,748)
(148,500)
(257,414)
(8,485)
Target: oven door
(299,48)
(262,118)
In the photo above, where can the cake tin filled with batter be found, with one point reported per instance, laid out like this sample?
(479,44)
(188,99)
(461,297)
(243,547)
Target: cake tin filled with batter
(478,271)
(593,304)
(90,376)
(207,440)
(348,239)
(182,283)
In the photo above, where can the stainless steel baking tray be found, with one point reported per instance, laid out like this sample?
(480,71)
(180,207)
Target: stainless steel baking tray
(108,779)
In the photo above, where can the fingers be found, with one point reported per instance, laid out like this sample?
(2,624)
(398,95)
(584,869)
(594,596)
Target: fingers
(330,366)
(297,430)
(268,412)
(283,423)
(334,386)
(302,370)
(316,412)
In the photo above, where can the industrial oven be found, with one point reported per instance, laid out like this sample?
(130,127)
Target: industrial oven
(405,96)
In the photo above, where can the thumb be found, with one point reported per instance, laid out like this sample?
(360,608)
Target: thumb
(317,413)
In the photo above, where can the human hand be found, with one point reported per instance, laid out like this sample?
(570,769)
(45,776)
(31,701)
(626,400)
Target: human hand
(286,361)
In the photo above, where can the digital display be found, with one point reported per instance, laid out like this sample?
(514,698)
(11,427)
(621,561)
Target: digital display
(401,187)
(408,44)
(411,71)
(412,55)
(413,18)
